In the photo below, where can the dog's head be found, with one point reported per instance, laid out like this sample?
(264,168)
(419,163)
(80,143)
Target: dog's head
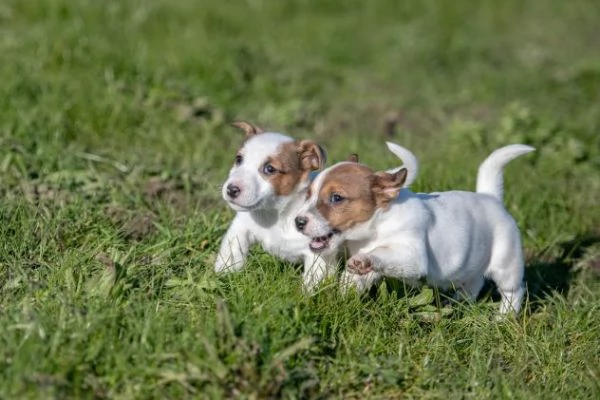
(269,168)
(344,197)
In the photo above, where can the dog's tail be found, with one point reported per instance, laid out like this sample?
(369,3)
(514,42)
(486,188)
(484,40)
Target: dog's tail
(409,161)
(489,176)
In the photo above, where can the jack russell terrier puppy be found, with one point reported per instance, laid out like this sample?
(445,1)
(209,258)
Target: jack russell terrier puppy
(454,239)
(267,186)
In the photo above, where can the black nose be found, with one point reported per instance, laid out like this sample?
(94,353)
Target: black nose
(300,222)
(233,191)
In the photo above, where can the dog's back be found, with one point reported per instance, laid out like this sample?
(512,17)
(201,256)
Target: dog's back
(460,230)
(463,230)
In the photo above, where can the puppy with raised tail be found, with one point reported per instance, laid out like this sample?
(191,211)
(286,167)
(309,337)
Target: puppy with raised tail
(454,239)
(266,186)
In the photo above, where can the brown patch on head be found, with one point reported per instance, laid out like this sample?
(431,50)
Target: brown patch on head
(292,164)
(248,128)
(356,202)
(352,192)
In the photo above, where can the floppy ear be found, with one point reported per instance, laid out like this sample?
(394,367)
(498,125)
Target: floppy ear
(248,128)
(386,186)
(312,156)
(353,158)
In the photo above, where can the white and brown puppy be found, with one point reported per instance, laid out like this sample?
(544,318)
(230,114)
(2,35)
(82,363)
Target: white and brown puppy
(453,239)
(266,186)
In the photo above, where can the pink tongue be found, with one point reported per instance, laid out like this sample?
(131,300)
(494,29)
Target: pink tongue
(318,244)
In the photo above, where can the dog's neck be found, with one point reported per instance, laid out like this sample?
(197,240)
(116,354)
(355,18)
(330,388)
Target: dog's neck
(265,217)
(281,208)
(368,230)
(364,230)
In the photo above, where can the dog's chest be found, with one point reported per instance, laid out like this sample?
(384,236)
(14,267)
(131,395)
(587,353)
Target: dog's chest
(360,246)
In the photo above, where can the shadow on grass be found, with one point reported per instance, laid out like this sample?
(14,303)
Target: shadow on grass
(545,277)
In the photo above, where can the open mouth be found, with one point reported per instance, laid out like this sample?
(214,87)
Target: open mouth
(242,208)
(320,243)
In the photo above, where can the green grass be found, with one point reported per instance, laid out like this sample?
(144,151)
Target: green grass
(115,139)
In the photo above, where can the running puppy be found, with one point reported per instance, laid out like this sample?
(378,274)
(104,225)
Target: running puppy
(266,186)
(454,239)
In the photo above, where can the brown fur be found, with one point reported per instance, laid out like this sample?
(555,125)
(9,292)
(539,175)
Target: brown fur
(386,186)
(362,190)
(293,163)
(352,182)
(312,156)
(352,158)
(248,128)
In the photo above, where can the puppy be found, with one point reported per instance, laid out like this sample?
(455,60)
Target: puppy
(454,239)
(266,187)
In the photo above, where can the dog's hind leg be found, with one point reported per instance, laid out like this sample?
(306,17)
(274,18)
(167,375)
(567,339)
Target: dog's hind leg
(511,299)
(507,270)
(470,289)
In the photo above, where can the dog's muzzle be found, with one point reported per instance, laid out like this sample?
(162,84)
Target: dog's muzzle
(233,191)
(320,243)
(300,223)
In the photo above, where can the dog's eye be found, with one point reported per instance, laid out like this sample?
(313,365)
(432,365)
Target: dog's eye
(335,198)
(269,169)
(238,159)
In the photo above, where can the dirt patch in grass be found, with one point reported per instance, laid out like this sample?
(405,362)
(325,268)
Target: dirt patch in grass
(37,193)
(157,188)
(107,262)
(140,226)
(132,225)
(180,195)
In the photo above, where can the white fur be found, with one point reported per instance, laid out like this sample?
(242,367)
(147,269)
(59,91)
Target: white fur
(489,176)
(454,239)
(265,218)
(409,161)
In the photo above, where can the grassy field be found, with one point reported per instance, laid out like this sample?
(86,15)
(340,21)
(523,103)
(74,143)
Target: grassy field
(115,139)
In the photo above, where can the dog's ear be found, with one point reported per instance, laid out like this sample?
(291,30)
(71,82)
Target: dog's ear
(352,158)
(248,128)
(386,186)
(312,156)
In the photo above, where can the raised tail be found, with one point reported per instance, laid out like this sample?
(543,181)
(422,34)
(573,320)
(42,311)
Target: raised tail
(489,177)
(409,161)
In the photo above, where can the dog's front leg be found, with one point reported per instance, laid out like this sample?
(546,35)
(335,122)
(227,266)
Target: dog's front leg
(360,283)
(234,248)
(316,269)
(405,262)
